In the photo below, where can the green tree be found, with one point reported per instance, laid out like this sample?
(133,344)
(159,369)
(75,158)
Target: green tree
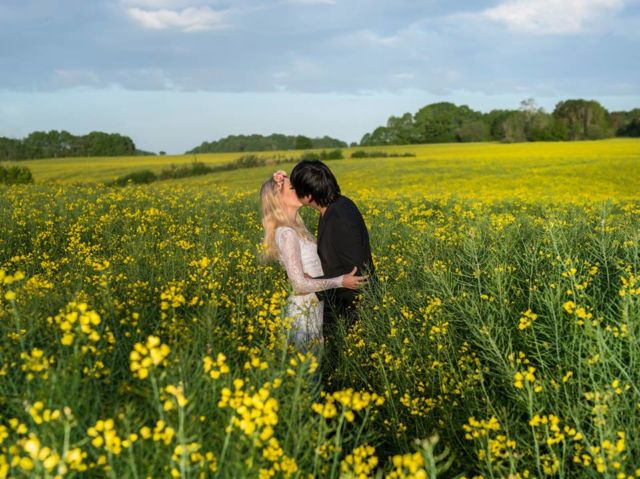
(476,130)
(625,123)
(402,130)
(303,143)
(583,119)
(442,122)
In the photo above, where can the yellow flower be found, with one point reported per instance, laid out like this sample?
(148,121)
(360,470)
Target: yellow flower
(146,357)
(527,319)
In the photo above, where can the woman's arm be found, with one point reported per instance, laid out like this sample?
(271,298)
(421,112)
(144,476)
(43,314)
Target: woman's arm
(291,257)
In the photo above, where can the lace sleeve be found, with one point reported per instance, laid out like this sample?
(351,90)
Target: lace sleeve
(291,258)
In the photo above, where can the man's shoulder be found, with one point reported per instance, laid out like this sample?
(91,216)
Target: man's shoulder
(343,205)
(343,210)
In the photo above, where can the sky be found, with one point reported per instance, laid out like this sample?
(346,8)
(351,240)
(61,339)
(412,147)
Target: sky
(174,73)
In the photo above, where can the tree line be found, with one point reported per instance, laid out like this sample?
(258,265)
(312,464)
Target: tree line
(62,144)
(442,122)
(446,122)
(273,142)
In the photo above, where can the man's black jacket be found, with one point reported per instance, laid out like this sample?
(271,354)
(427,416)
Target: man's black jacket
(343,242)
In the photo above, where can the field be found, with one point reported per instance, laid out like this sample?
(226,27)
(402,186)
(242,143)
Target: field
(140,335)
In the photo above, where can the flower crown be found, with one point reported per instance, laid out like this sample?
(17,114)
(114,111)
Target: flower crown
(279,177)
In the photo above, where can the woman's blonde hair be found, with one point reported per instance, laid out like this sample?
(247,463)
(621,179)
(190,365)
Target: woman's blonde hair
(273,216)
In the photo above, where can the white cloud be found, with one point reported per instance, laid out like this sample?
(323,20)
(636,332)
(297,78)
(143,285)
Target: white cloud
(404,76)
(70,78)
(552,16)
(191,19)
(366,38)
(158,4)
(313,2)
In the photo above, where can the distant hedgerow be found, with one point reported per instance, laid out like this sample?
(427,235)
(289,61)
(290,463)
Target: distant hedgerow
(137,177)
(323,155)
(380,154)
(15,175)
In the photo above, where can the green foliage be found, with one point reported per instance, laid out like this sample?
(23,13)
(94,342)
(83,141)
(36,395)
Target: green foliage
(323,155)
(626,123)
(196,168)
(136,177)
(249,161)
(15,175)
(632,129)
(303,143)
(272,142)
(380,154)
(583,120)
(441,122)
(446,123)
(61,144)
(476,130)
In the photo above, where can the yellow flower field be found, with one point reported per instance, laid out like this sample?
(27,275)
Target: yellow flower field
(140,336)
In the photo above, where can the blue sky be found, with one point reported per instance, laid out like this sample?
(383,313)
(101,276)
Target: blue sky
(173,73)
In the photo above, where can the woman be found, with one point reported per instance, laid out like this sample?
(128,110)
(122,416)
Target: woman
(287,239)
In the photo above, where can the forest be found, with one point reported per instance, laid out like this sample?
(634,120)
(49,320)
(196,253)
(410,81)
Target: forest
(445,122)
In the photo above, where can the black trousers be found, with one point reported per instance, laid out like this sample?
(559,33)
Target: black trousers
(338,317)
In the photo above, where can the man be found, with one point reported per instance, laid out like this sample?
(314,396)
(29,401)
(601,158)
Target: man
(343,242)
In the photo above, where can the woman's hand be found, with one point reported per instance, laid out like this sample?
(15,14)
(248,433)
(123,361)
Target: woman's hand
(351,281)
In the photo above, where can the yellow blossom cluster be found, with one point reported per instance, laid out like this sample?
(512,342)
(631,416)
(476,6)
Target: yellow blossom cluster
(105,436)
(41,415)
(190,453)
(173,397)
(256,413)
(29,454)
(305,361)
(408,466)
(581,312)
(146,357)
(255,363)
(216,368)
(360,464)
(551,423)
(76,320)
(522,379)
(527,319)
(348,400)
(35,364)
(475,428)
(7,279)
(172,297)
(630,285)
(161,432)
(493,446)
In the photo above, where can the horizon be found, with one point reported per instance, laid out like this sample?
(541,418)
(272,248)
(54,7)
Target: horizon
(172,74)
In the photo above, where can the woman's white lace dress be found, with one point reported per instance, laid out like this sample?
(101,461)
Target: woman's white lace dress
(299,256)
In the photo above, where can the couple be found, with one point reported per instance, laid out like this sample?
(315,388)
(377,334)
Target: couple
(324,275)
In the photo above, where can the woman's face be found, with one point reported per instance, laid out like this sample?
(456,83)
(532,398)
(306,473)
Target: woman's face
(289,197)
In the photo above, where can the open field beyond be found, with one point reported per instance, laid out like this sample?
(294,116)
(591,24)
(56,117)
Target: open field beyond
(590,169)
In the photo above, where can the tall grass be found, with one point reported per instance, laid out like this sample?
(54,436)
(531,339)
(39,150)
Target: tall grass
(141,337)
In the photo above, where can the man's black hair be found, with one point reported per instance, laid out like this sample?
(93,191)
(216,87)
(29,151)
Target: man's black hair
(313,177)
